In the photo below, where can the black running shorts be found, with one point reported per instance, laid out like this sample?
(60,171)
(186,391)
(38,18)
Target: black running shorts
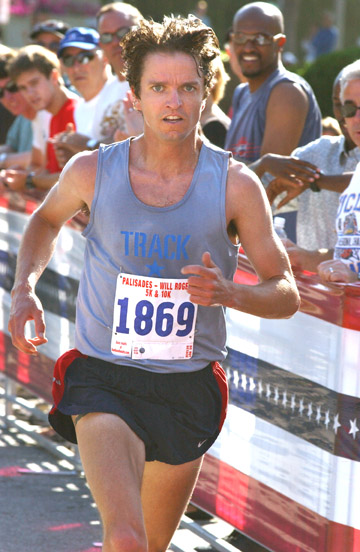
(177,416)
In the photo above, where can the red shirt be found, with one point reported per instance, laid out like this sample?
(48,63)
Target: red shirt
(58,124)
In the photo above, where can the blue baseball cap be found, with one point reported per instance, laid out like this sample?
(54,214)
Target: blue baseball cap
(79,37)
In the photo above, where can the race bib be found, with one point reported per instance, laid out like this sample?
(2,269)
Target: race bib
(153,318)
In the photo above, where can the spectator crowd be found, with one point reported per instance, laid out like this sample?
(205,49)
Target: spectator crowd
(65,92)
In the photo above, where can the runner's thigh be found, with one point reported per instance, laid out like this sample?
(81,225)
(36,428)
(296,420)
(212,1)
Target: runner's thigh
(113,458)
(165,492)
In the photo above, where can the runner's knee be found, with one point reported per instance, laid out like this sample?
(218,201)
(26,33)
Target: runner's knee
(125,540)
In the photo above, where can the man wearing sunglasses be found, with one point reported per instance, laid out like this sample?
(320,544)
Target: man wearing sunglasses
(334,158)
(114,21)
(119,119)
(90,73)
(340,263)
(17,148)
(275,110)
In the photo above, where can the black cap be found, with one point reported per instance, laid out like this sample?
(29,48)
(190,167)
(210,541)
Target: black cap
(53,26)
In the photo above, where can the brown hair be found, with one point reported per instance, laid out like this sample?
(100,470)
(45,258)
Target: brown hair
(174,34)
(34,57)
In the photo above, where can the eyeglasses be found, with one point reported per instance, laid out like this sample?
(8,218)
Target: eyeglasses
(52,46)
(259,39)
(82,57)
(10,87)
(106,38)
(349,109)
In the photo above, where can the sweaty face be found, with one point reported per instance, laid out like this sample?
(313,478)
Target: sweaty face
(111,22)
(352,94)
(171,95)
(254,59)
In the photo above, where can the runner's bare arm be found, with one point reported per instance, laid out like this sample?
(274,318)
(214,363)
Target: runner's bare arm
(69,195)
(249,220)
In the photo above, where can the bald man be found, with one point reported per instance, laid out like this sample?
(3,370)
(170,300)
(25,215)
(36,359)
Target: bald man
(275,111)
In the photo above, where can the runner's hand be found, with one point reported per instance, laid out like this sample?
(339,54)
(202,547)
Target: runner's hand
(206,285)
(26,307)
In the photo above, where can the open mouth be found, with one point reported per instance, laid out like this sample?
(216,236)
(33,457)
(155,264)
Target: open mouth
(172,119)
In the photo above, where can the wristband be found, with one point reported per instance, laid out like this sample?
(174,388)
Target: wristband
(314,187)
(29,182)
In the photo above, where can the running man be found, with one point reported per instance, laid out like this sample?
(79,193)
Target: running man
(143,393)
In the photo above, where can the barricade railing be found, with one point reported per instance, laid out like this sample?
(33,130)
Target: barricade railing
(283,470)
(11,398)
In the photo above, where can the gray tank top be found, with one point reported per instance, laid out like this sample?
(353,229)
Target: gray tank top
(245,135)
(143,242)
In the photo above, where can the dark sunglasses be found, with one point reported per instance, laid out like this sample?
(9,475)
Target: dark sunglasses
(52,46)
(106,38)
(10,87)
(349,109)
(259,39)
(82,57)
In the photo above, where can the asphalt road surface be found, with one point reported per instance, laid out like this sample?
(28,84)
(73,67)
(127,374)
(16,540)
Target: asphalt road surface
(45,504)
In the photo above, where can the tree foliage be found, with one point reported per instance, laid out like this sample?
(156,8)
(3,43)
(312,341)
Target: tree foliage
(322,72)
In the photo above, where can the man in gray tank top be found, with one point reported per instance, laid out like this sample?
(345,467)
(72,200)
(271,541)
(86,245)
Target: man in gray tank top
(275,110)
(143,393)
